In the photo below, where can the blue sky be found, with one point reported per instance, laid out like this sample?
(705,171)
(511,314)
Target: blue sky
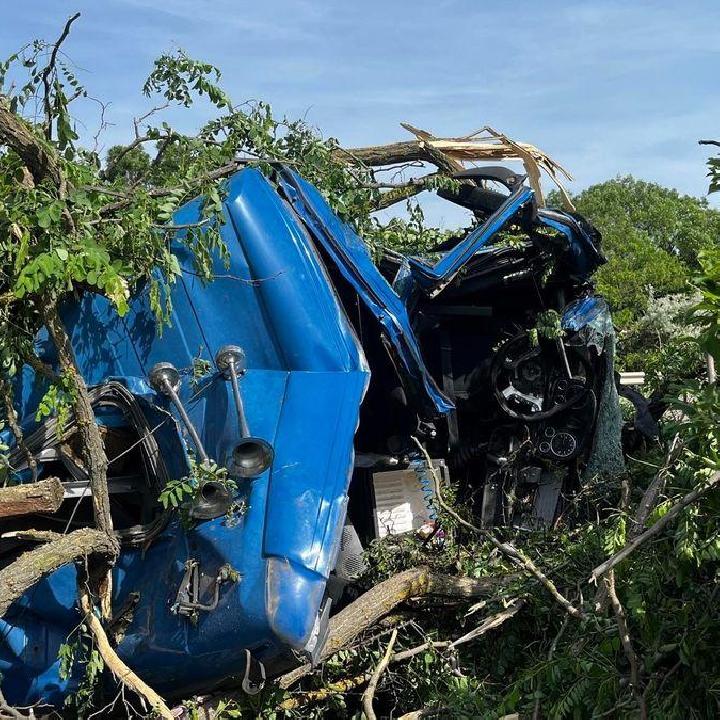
(604,87)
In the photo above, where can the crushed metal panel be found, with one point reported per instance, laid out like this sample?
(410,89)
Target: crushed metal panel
(305,381)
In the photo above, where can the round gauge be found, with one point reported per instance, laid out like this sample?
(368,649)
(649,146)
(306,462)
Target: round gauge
(563,445)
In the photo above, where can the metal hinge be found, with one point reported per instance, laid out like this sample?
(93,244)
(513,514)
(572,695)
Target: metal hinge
(187,601)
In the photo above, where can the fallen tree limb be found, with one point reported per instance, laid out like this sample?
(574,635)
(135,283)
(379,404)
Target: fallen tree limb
(31,566)
(380,600)
(44,496)
(118,668)
(449,154)
(369,694)
(669,517)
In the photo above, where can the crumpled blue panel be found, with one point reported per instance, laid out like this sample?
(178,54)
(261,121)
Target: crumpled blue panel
(431,279)
(305,380)
(591,316)
(347,250)
(584,254)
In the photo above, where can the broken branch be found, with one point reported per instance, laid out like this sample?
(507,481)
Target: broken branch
(489,623)
(44,496)
(380,600)
(624,633)
(118,668)
(47,72)
(31,566)
(369,694)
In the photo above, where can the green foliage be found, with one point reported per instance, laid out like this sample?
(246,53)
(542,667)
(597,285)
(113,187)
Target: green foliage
(706,313)
(653,238)
(128,166)
(78,656)
(178,78)
(178,494)
(713,174)
(549,325)
(57,400)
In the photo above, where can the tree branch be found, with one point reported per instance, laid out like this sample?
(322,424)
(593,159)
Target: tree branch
(47,72)
(369,694)
(17,135)
(29,498)
(118,668)
(380,600)
(657,528)
(31,566)
(624,633)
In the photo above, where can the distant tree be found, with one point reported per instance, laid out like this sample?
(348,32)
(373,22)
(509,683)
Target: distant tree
(652,236)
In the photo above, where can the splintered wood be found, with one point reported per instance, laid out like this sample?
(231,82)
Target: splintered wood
(451,153)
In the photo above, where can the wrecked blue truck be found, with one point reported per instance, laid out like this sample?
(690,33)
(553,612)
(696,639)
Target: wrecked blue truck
(320,367)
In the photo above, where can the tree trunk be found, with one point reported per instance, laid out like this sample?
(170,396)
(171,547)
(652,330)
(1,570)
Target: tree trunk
(44,496)
(31,566)
(93,449)
(392,154)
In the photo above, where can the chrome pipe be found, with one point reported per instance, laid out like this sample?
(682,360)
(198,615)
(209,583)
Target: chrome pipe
(252,456)
(165,379)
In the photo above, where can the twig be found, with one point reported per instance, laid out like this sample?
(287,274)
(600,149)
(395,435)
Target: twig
(412,652)
(14,425)
(489,623)
(624,633)
(655,529)
(516,556)
(118,668)
(48,71)
(369,694)
(426,713)
(709,142)
(650,497)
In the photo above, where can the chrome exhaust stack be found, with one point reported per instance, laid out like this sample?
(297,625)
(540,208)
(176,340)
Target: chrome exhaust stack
(251,456)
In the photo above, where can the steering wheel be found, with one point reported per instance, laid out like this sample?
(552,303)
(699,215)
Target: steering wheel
(531,382)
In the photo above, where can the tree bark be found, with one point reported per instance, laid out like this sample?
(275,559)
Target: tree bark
(44,496)
(92,447)
(31,566)
(380,600)
(19,137)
